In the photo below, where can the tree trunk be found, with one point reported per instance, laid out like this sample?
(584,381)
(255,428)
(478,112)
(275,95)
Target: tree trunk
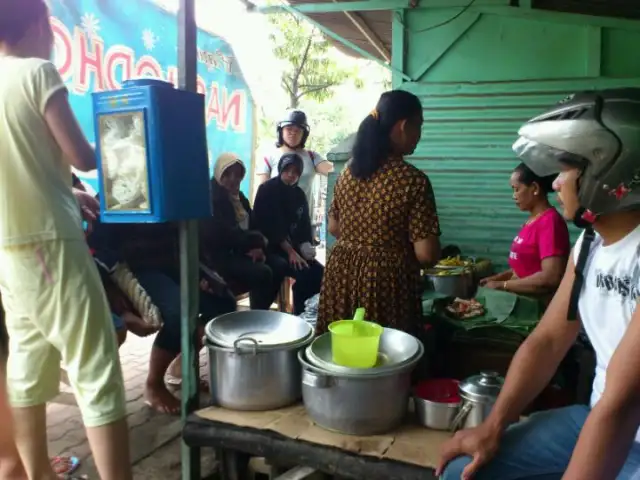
(294,101)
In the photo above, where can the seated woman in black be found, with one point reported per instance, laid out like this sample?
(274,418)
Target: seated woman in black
(281,213)
(230,246)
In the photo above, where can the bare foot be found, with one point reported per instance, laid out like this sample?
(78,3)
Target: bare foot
(161,400)
(176,383)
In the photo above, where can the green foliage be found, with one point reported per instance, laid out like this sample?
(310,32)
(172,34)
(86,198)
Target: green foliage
(310,69)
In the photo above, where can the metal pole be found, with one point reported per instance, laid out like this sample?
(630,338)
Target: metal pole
(189,278)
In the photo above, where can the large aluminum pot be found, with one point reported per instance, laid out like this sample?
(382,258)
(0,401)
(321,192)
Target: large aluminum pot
(252,359)
(245,378)
(356,404)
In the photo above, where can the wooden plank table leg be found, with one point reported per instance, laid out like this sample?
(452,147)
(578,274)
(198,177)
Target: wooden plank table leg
(234,465)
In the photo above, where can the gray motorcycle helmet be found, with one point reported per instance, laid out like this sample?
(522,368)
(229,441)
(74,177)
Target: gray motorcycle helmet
(597,131)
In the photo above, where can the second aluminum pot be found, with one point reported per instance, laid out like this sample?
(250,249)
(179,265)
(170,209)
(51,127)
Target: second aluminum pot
(356,404)
(247,378)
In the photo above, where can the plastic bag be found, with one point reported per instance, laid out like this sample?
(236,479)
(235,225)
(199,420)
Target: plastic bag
(310,314)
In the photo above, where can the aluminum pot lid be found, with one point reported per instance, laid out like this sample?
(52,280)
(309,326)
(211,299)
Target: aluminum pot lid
(397,350)
(261,329)
(482,388)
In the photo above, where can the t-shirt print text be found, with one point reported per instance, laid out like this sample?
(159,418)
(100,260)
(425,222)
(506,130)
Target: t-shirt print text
(518,241)
(624,285)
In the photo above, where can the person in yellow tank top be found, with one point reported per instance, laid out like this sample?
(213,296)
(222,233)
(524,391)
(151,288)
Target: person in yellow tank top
(56,309)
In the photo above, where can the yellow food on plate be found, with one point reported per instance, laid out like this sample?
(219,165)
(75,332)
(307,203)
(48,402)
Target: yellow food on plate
(453,262)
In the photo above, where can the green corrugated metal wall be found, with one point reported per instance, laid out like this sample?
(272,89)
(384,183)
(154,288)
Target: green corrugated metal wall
(479,78)
(466,151)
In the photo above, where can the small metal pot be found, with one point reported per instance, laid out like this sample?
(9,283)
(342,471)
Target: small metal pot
(479,394)
(435,415)
(453,283)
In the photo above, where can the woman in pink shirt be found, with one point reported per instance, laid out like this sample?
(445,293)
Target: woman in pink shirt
(539,252)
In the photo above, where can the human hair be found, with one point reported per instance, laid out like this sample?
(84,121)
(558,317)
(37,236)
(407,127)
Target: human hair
(17,16)
(527,177)
(372,144)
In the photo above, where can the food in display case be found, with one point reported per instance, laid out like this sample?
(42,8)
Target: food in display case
(124,161)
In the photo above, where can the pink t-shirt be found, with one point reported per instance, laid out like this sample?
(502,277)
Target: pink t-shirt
(547,236)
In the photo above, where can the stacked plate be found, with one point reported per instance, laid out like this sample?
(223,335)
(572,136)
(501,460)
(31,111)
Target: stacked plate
(396,350)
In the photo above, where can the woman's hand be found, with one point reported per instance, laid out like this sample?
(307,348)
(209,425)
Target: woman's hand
(137,325)
(480,443)
(89,206)
(296,261)
(257,255)
(494,284)
(214,285)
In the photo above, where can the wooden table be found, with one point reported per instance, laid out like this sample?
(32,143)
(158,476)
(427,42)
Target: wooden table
(290,437)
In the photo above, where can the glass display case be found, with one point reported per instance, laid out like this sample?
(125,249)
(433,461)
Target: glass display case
(125,178)
(153,163)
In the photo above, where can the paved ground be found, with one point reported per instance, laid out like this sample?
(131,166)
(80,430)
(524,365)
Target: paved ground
(155,438)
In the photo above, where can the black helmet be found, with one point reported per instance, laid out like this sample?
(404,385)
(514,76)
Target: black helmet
(597,131)
(297,118)
(291,159)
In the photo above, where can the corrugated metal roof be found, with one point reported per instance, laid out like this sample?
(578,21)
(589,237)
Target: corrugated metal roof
(380,21)
(601,8)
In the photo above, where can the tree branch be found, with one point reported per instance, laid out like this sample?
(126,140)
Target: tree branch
(286,86)
(303,60)
(317,88)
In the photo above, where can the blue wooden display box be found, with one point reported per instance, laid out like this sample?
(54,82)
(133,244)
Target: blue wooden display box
(151,147)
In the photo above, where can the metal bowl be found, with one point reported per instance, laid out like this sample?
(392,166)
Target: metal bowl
(258,329)
(435,415)
(396,349)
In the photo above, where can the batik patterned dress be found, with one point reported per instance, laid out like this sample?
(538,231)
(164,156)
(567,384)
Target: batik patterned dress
(373,264)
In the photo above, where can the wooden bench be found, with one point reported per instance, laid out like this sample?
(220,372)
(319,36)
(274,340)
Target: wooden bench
(283,301)
(289,437)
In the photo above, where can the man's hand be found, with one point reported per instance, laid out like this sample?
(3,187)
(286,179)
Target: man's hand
(89,206)
(480,443)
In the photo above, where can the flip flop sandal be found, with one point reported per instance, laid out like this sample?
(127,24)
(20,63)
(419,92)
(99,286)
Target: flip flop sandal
(65,464)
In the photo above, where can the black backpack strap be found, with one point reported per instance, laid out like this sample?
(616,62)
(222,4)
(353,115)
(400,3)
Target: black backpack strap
(578,283)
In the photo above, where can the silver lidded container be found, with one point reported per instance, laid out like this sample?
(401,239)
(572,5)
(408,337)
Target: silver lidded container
(360,401)
(479,393)
(253,362)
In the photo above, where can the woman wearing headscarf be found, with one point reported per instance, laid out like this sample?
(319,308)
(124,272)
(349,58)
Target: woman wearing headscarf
(292,133)
(231,245)
(281,213)
(384,217)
